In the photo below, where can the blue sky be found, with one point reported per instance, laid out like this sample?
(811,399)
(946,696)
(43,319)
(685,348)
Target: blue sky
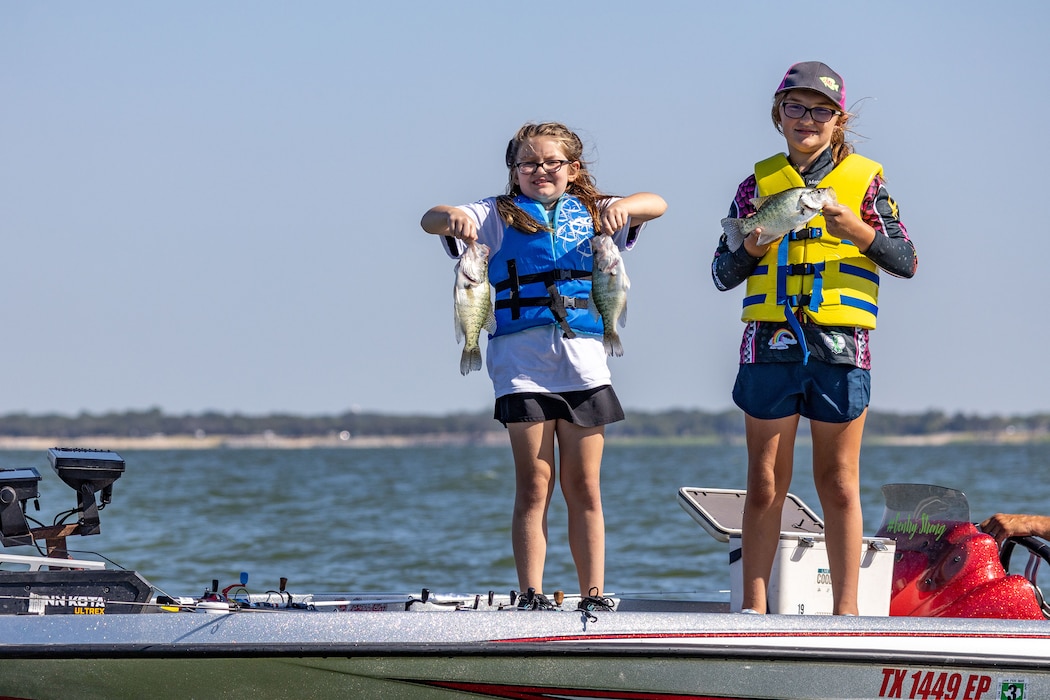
(215,205)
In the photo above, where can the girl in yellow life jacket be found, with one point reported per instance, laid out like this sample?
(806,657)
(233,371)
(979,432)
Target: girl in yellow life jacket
(811,301)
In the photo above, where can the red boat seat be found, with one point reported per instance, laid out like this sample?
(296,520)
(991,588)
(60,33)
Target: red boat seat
(953,570)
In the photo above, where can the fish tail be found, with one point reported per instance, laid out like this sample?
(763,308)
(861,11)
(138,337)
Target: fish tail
(731,229)
(470,360)
(613,346)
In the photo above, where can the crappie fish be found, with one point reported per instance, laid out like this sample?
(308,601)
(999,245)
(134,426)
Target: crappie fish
(473,304)
(778,214)
(609,285)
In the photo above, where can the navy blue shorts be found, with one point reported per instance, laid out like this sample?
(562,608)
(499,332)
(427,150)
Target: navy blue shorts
(817,390)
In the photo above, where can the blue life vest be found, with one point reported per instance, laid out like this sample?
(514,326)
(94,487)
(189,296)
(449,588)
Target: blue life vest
(544,278)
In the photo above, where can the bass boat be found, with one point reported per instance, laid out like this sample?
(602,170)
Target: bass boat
(941,618)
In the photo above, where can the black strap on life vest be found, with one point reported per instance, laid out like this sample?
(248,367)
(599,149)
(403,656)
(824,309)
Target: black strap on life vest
(514,281)
(515,284)
(566,302)
(557,306)
(554,301)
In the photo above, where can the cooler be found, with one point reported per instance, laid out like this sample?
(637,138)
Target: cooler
(800,581)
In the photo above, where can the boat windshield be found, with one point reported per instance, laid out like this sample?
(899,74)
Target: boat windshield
(912,508)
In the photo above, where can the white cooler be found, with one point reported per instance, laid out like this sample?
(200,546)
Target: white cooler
(800,582)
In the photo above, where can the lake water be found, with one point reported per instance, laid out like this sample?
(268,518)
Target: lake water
(401,519)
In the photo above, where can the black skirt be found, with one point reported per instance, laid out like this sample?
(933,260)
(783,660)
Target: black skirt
(588,408)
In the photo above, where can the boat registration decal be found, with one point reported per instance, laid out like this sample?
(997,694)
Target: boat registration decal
(946,685)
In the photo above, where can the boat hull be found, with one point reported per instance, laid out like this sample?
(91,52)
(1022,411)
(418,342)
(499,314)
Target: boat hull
(513,654)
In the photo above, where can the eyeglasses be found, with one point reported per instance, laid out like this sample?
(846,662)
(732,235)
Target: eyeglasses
(549,166)
(821,115)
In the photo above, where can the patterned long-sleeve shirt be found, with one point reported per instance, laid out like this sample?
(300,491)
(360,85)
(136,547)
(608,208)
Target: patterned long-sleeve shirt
(770,341)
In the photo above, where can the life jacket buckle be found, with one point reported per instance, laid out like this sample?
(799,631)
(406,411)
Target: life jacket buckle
(796,301)
(806,233)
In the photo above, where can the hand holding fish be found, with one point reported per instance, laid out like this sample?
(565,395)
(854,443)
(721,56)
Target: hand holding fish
(777,215)
(615,217)
(461,226)
(841,222)
(753,247)
(444,220)
(634,209)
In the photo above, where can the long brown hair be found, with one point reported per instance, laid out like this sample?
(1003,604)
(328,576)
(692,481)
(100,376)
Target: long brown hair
(840,147)
(582,187)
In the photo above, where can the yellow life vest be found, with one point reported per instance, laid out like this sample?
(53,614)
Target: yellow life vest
(827,278)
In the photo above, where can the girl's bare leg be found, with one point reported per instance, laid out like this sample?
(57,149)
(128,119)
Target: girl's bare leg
(770,454)
(580,451)
(836,474)
(532,445)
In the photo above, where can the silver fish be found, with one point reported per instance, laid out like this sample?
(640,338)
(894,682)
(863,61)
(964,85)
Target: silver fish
(778,214)
(473,304)
(609,285)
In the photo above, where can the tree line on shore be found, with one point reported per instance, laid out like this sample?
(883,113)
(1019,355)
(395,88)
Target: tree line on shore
(672,423)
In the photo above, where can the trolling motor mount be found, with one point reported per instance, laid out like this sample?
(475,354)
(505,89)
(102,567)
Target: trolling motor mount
(88,472)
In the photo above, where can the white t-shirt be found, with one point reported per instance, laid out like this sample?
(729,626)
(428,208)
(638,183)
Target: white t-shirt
(540,359)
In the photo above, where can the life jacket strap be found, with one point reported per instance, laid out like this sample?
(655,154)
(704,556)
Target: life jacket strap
(554,301)
(567,302)
(557,305)
(796,327)
(805,234)
(515,286)
(803,269)
(515,281)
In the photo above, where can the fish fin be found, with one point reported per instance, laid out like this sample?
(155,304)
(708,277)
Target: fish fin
(490,322)
(470,360)
(770,237)
(592,306)
(612,343)
(757,202)
(460,335)
(734,236)
(623,316)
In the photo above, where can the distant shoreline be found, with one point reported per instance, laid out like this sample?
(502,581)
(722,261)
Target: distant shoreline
(260,441)
(486,439)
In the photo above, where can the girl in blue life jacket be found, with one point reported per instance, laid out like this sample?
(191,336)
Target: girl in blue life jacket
(546,360)
(811,301)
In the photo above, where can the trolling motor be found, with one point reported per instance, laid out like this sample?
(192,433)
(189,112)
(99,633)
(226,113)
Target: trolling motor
(56,583)
(86,471)
(17,487)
